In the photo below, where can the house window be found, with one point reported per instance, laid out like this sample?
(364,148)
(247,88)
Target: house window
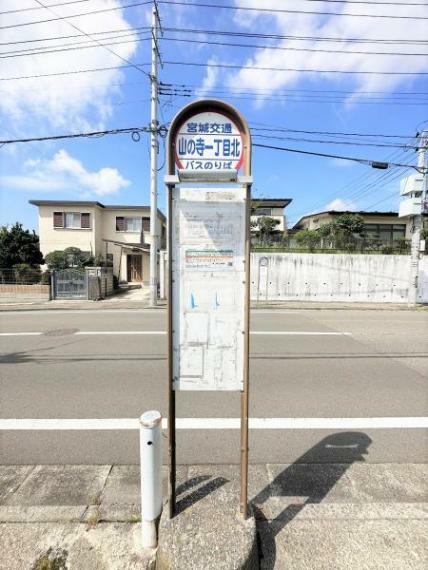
(72,220)
(262,212)
(128,224)
(386,233)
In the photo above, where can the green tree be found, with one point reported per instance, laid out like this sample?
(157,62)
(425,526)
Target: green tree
(19,246)
(347,230)
(308,238)
(265,228)
(57,260)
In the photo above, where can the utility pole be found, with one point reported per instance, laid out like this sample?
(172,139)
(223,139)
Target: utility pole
(418,221)
(154,124)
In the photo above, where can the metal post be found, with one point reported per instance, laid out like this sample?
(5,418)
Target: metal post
(417,225)
(153,162)
(171,391)
(245,391)
(151,475)
(162,261)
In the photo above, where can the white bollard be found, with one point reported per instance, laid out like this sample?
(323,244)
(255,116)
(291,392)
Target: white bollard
(151,475)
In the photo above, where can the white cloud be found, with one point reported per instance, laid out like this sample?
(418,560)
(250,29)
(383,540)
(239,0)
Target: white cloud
(340,204)
(62,101)
(210,78)
(66,173)
(334,26)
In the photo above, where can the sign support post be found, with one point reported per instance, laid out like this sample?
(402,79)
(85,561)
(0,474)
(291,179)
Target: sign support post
(209,264)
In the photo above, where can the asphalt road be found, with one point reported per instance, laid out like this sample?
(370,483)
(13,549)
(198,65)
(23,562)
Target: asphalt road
(379,369)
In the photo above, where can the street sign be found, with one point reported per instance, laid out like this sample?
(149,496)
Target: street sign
(209,141)
(209,144)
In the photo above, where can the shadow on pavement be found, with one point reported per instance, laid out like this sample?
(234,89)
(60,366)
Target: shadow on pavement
(310,478)
(199,493)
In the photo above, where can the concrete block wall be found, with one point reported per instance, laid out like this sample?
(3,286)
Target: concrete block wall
(13,292)
(334,277)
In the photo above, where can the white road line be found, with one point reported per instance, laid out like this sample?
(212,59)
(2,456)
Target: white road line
(113,333)
(218,423)
(303,333)
(22,334)
(94,333)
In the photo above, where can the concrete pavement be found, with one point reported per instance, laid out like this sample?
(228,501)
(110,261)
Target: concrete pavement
(342,516)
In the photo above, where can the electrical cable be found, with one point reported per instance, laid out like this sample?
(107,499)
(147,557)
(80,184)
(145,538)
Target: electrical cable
(121,7)
(340,157)
(96,41)
(39,7)
(79,135)
(286,48)
(286,11)
(260,68)
(59,73)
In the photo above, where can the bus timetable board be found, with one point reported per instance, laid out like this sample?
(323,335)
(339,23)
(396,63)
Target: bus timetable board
(208,272)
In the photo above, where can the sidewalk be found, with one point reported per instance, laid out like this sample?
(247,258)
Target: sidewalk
(137,299)
(309,516)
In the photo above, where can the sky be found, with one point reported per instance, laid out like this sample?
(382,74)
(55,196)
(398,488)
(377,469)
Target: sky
(333,103)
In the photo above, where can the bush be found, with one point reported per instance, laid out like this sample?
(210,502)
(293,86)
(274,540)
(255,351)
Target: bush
(25,273)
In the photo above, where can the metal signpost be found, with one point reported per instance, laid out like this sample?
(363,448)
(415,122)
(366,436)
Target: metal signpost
(209,200)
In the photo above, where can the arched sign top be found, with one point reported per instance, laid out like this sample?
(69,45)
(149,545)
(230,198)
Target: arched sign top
(209,136)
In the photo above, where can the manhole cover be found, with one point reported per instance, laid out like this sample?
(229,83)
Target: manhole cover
(61,332)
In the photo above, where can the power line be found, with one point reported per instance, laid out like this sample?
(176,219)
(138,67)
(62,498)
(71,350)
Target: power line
(74,15)
(96,41)
(83,45)
(286,48)
(295,37)
(319,141)
(128,130)
(59,73)
(39,7)
(286,11)
(259,90)
(402,41)
(296,98)
(261,68)
(137,30)
(36,50)
(340,157)
(99,69)
(42,51)
(340,133)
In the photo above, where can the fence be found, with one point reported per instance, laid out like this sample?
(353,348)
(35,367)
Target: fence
(24,284)
(335,277)
(91,283)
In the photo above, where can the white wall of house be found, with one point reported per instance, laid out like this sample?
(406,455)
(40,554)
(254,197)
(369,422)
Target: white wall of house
(331,277)
(52,239)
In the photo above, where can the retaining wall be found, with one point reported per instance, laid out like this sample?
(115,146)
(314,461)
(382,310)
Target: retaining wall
(334,277)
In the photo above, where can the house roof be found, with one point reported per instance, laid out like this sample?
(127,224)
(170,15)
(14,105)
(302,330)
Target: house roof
(80,203)
(130,245)
(272,202)
(340,212)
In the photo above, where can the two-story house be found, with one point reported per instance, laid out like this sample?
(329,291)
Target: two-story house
(271,208)
(120,234)
(387,227)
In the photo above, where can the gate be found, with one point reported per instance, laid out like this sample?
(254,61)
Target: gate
(70,284)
